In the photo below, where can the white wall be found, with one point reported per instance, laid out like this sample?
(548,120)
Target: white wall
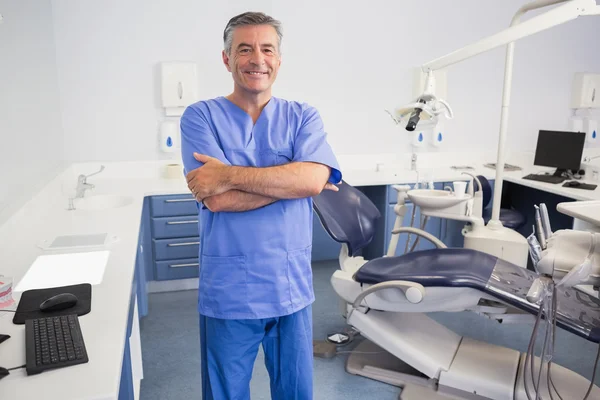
(31,140)
(352,59)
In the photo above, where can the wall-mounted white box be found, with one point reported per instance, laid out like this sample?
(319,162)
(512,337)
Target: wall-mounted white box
(179,86)
(586,90)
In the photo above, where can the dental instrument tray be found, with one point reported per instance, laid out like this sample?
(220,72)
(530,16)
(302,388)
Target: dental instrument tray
(435,199)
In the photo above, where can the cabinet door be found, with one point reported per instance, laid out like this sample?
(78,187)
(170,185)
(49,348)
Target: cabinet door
(126,386)
(173,205)
(146,241)
(140,265)
(179,248)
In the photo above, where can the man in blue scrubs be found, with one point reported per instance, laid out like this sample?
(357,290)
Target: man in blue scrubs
(254,161)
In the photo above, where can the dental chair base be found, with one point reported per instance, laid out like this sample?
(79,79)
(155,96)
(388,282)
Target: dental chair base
(384,308)
(460,367)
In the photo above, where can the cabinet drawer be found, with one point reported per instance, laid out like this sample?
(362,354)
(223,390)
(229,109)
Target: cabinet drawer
(175,227)
(177,269)
(173,205)
(173,249)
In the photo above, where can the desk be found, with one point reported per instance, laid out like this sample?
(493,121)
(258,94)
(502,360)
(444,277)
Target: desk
(586,214)
(523,194)
(106,328)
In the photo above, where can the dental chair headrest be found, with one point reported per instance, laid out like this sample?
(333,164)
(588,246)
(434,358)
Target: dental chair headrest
(348,216)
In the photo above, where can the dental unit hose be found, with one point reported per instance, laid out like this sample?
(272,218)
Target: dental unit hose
(412,221)
(548,309)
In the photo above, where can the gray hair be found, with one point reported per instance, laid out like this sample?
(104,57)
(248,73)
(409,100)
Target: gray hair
(250,18)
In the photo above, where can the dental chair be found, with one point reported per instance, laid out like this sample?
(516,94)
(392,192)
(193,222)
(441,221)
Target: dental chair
(510,218)
(386,300)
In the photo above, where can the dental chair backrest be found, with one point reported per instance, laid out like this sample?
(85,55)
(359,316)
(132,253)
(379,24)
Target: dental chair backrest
(348,215)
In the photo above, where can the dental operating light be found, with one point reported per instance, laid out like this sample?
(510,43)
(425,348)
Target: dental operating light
(426,107)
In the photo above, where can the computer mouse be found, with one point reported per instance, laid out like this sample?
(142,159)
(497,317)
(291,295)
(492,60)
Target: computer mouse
(3,372)
(59,302)
(573,184)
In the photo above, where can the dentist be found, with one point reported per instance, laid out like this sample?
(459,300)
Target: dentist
(254,161)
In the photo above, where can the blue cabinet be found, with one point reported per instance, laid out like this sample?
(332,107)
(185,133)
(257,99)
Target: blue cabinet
(126,391)
(174,236)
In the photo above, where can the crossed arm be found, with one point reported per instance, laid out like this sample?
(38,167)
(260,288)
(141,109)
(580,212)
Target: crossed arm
(232,188)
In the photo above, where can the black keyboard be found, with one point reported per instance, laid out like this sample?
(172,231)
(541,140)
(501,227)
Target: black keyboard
(53,342)
(545,178)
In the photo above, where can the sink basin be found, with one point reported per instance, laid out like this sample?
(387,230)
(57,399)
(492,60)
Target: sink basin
(435,199)
(102,202)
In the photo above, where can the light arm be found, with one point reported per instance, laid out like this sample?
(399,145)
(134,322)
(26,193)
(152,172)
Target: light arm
(558,15)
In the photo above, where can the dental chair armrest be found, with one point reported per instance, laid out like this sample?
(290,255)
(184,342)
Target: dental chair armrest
(414,292)
(437,242)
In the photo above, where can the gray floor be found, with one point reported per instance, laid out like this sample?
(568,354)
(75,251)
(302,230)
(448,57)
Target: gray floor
(170,344)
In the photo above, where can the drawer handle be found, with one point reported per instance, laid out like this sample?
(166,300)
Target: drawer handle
(182,222)
(184,265)
(179,200)
(182,244)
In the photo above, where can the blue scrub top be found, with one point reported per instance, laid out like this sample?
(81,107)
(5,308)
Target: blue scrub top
(256,264)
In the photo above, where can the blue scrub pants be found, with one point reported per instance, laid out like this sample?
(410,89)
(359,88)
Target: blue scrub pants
(229,347)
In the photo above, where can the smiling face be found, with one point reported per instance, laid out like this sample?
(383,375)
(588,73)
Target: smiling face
(254,59)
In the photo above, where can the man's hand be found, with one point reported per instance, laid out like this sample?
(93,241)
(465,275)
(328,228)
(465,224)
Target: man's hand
(331,186)
(210,179)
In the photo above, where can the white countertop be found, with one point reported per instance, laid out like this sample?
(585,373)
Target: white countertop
(588,211)
(104,329)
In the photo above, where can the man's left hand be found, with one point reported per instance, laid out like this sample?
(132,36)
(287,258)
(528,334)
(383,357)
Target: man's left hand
(210,179)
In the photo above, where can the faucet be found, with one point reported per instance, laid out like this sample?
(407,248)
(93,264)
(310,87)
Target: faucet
(82,186)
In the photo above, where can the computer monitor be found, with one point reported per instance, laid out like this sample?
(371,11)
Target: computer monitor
(561,150)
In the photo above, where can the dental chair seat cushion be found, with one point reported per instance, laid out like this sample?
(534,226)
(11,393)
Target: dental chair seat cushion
(510,219)
(577,312)
(437,267)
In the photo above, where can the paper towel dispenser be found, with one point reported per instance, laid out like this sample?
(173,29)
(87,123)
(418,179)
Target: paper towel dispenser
(179,84)
(586,91)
